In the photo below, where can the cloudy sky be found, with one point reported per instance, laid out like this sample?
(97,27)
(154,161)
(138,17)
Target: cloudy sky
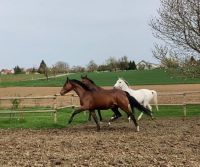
(74,31)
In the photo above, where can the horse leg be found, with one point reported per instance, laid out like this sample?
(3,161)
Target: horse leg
(129,111)
(74,113)
(100,117)
(150,108)
(134,120)
(89,117)
(116,115)
(140,116)
(95,119)
(129,118)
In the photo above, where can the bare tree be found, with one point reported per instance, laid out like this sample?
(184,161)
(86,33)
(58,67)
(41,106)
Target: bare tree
(178,25)
(167,58)
(92,66)
(112,63)
(61,67)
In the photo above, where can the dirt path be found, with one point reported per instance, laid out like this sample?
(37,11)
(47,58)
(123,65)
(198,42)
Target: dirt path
(44,91)
(161,142)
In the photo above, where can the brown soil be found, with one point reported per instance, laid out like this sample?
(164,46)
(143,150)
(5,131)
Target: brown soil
(161,142)
(161,89)
(43,91)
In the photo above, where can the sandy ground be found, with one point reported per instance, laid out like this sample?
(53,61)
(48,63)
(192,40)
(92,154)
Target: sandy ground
(161,142)
(43,91)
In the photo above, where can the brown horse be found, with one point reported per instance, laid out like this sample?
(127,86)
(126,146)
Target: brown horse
(92,100)
(90,83)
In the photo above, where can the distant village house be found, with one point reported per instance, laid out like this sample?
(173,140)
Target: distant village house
(143,65)
(6,71)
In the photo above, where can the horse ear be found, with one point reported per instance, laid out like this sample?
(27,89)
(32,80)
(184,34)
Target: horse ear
(67,79)
(126,82)
(82,76)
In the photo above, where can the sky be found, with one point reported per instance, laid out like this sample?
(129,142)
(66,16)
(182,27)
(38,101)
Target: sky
(75,31)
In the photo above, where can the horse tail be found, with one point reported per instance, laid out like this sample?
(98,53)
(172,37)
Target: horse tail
(155,99)
(134,103)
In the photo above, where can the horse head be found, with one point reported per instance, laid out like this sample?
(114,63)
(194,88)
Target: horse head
(121,84)
(86,80)
(66,87)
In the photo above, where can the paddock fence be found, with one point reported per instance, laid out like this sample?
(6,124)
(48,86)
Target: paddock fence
(51,104)
(16,107)
(179,99)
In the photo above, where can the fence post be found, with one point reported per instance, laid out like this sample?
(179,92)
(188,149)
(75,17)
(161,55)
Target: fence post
(55,108)
(72,100)
(184,107)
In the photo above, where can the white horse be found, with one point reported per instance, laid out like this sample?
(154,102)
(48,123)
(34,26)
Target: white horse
(143,96)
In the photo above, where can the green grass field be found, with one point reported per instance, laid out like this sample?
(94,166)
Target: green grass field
(38,121)
(19,77)
(102,79)
(135,77)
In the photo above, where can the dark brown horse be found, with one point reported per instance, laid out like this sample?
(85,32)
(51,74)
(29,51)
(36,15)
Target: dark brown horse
(92,100)
(90,83)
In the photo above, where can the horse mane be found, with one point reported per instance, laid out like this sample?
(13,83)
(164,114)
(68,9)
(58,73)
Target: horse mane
(81,84)
(90,80)
(126,82)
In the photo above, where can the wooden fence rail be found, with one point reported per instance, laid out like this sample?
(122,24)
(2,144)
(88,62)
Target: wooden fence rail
(53,104)
(74,98)
(184,102)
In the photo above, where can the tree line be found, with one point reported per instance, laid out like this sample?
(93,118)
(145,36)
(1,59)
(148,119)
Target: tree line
(112,64)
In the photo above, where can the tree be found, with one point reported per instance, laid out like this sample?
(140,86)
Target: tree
(191,67)
(167,58)
(112,64)
(60,67)
(18,70)
(132,65)
(92,66)
(103,67)
(178,24)
(42,68)
(123,63)
(77,69)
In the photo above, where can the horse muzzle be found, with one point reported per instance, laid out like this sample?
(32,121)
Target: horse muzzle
(62,92)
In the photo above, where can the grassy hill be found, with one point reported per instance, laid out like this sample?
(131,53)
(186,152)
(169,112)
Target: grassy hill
(135,77)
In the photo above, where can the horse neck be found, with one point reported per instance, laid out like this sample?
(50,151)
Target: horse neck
(125,87)
(93,86)
(79,89)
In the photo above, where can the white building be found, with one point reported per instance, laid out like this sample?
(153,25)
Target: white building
(143,65)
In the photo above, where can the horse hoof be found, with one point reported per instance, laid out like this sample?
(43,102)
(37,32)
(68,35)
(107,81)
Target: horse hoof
(137,129)
(109,123)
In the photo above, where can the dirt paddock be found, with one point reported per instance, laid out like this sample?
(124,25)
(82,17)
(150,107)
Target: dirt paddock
(161,142)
